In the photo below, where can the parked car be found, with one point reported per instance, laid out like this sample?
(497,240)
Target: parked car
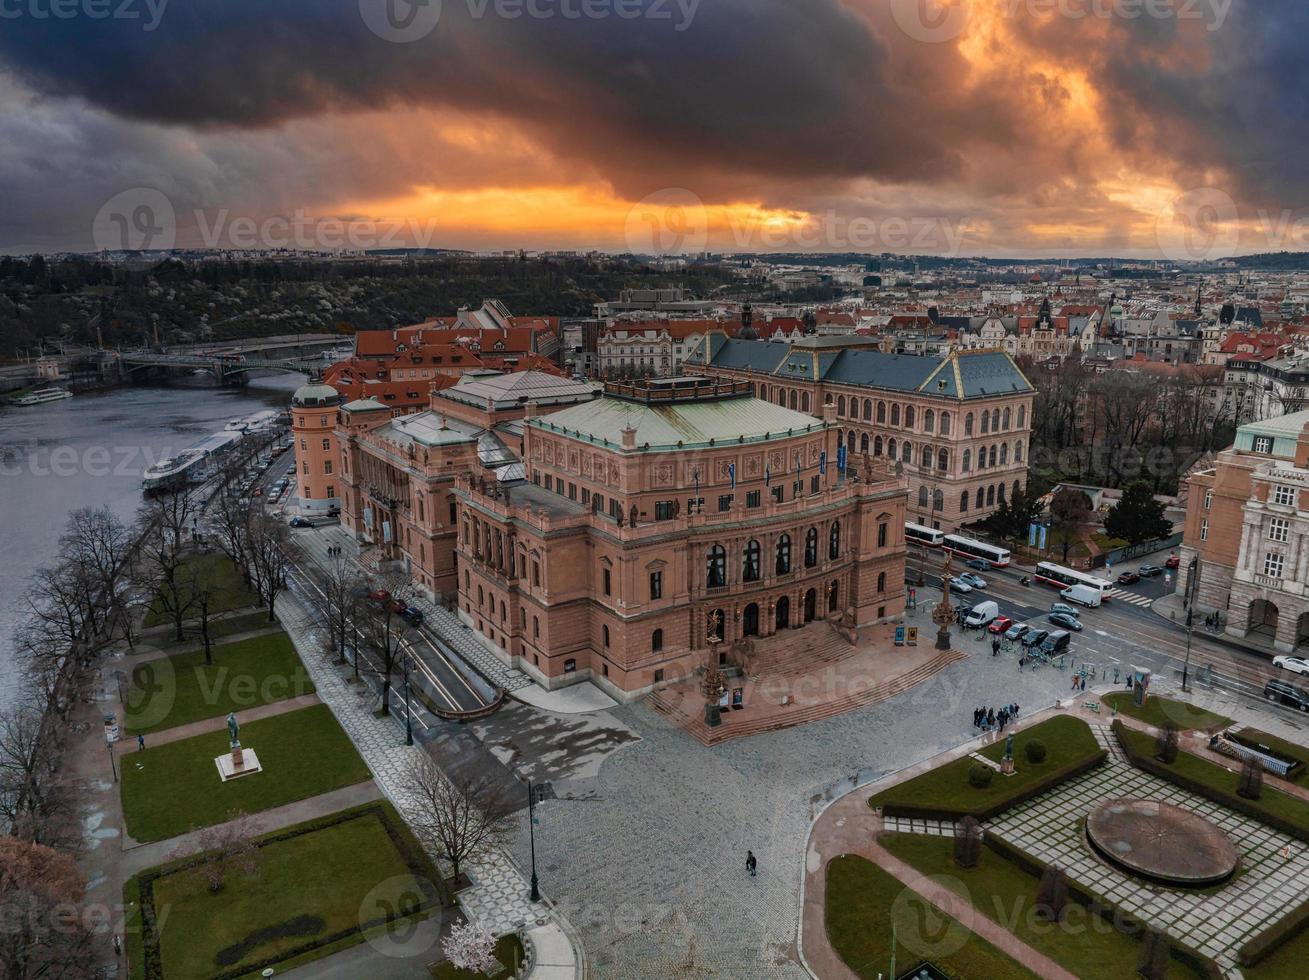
(412,616)
(380,595)
(1017,631)
(1034,637)
(300,522)
(1151,571)
(957,584)
(1000,624)
(1173,562)
(258,492)
(1067,610)
(1056,642)
(1281,692)
(397,606)
(1296,665)
(981,564)
(1066,621)
(982,614)
(1128,578)
(976,581)
(275,496)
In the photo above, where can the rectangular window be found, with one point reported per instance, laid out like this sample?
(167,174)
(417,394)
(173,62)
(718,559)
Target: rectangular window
(659,675)
(1285,496)
(608,582)
(695,505)
(327,467)
(724,503)
(663,510)
(1278,529)
(813,484)
(881,534)
(615,509)
(536,573)
(1209,499)
(1204,530)
(331,493)
(1263,444)
(586,496)
(777,494)
(1273,564)
(752,498)
(656,585)
(572,491)
(327,445)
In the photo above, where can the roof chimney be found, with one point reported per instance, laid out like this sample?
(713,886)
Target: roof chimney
(629,437)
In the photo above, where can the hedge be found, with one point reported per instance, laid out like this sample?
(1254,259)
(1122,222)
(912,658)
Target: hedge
(1265,943)
(985,813)
(1226,797)
(1092,901)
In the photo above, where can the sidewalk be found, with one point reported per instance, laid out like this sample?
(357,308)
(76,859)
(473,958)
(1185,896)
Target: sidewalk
(1169,607)
(497,901)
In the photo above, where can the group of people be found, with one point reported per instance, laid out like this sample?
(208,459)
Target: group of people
(989,719)
(1079,682)
(334,551)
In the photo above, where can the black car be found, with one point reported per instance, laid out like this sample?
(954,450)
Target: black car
(1128,578)
(1066,621)
(412,616)
(1151,571)
(1282,692)
(1034,638)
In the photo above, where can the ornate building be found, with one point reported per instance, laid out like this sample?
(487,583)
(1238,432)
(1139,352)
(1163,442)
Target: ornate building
(665,506)
(960,426)
(317,458)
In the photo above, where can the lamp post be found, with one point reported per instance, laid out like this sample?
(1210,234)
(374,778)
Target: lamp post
(1191,574)
(409,719)
(535,894)
(113,765)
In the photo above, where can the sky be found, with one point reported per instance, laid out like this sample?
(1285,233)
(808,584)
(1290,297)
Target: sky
(1169,129)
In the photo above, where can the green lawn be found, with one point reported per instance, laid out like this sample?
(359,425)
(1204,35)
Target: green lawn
(1287,962)
(1159,711)
(1271,801)
(1254,738)
(171,789)
(862,901)
(217,572)
(313,887)
(244,674)
(1004,892)
(1069,743)
(508,950)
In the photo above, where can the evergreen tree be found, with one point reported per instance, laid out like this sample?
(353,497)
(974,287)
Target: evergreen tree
(1138,516)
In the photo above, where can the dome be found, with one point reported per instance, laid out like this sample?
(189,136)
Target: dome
(315,395)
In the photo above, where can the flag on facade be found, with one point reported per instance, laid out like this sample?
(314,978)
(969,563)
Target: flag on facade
(731,472)
(822,462)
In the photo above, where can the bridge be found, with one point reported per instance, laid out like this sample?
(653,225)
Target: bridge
(229,364)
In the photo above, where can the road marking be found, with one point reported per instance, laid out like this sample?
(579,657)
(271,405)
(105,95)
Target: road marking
(1132,597)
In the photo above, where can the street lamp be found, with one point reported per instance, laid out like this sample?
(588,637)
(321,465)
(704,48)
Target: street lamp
(535,895)
(409,721)
(1191,573)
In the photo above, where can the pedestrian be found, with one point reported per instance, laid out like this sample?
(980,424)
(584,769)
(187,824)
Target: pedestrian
(140,743)
(1074,682)
(1022,659)
(995,648)
(1015,709)
(751,863)
(977,717)
(990,717)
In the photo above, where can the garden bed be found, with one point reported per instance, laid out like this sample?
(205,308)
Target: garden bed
(1157,712)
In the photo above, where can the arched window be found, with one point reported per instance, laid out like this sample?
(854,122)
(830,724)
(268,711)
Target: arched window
(986,421)
(906,453)
(945,423)
(1006,420)
(877,446)
(793,399)
(881,581)
(963,502)
(943,459)
(751,567)
(863,443)
(981,498)
(840,406)
(993,453)
(657,641)
(783,554)
(716,574)
(851,440)
(868,409)
(922,497)
(881,412)
(1018,451)
(999,493)
(890,449)
(968,460)
(968,424)
(938,500)
(929,420)
(927,457)
(909,415)
(1018,490)
(990,495)
(481,597)
(811,548)
(1004,453)
(604,631)
(895,414)
(834,541)
(804,402)
(833,595)
(1022,416)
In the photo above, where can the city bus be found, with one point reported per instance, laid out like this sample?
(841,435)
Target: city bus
(1062,578)
(925,537)
(968,548)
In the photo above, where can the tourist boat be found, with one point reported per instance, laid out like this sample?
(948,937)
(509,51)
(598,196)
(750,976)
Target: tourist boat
(43,395)
(192,465)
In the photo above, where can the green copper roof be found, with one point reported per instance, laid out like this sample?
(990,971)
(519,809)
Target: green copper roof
(690,424)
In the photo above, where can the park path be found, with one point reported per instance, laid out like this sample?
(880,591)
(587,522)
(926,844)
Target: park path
(850,826)
(127,745)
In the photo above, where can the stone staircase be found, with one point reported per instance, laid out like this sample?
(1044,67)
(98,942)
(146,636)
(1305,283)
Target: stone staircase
(686,708)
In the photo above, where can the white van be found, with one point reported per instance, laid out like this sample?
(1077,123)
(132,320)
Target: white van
(1083,595)
(982,614)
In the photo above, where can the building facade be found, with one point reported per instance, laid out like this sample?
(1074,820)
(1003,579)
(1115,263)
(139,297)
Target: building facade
(317,455)
(669,522)
(1245,549)
(959,426)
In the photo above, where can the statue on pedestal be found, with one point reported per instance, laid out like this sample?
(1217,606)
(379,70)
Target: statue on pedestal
(943,614)
(712,685)
(233,729)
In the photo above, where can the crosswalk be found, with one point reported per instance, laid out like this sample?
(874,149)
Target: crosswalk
(1124,596)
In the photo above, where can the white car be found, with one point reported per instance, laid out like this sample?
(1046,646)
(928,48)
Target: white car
(1296,665)
(976,581)
(959,585)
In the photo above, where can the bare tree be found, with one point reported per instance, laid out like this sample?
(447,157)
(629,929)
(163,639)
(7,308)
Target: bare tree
(166,519)
(229,520)
(460,818)
(40,939)
(98,545)
(225,848)
(382,631)
(1250,784)
(270,561)
(33,803)
(1166,743)
(339,594)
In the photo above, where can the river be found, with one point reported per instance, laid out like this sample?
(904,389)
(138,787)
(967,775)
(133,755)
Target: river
(90,451)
